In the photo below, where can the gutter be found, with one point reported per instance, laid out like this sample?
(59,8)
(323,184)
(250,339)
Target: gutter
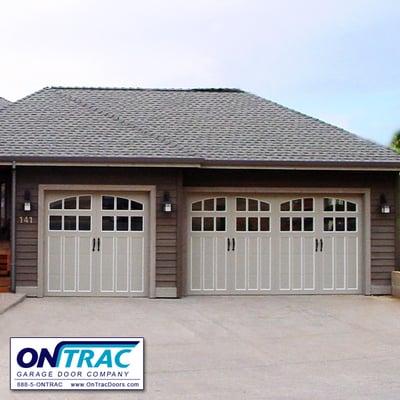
(163,162)
(13,226)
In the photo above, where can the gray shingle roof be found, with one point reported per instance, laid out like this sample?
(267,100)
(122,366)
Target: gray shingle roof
(210,126)
(4,102)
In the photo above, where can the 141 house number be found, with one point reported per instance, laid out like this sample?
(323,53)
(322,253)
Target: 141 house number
(25,220)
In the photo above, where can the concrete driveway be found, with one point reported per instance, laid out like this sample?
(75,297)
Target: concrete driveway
(304,347)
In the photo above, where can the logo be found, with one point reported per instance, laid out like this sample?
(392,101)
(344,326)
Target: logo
(76,363)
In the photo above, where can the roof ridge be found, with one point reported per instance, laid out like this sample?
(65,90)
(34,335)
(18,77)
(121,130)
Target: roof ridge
(211,90)
(117,118)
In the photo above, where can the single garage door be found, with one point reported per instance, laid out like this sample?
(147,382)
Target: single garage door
(96,244)
(270,244)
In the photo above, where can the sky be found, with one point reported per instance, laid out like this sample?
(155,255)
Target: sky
(338,61)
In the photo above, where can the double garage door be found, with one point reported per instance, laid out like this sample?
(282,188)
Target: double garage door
(96,244)
(274,244)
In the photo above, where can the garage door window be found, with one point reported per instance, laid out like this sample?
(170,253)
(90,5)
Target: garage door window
(338,205)
(297,224)
(340,224)
(208,224)
(252,224)
(72,203)
(296,205)
(69,223)
(213,204)
(246,204)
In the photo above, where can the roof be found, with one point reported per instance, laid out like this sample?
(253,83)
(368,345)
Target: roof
(4,102)
(203,126)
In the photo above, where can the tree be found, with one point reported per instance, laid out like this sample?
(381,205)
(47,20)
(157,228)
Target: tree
(395,143)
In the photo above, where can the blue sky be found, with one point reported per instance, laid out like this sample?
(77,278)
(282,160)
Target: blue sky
(335,60)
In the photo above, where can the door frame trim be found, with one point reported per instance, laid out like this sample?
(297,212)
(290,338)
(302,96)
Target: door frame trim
(365,235)
(150,189)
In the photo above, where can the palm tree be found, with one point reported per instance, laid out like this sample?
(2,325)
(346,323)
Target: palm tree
(395,143)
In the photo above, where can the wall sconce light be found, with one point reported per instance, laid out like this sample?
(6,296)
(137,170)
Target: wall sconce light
(27,201)
(166,204)
(385,208)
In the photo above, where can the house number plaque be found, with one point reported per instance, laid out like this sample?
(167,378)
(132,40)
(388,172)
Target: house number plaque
(25,220)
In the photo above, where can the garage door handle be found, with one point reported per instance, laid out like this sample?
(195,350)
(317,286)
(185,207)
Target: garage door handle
(94,244)
(98,244)
(229,244)
(321,244)
(316,244)
(233,244)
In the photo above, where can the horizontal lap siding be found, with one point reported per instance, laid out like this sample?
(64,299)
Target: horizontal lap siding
(166,230)
(383,235)
(383,227)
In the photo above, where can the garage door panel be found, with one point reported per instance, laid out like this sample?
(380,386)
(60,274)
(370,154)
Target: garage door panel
(84,264)
(265,263)
(308,263)
(107,264)
(196,262)
(253,260)
(70,259)
(328,261)
(284,263)
(122,264)
(240,263)
(296,264)
(340,263)
(221,264)
(137,262)
(208,263)
(54,263)
(352,262)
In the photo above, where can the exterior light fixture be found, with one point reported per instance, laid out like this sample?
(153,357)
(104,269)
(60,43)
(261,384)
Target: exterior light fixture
(27,201)
(385,208)
(166,204)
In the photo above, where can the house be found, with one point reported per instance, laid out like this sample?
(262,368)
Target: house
(166,193)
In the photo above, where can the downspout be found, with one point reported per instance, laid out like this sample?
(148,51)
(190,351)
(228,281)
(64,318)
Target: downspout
(13,226)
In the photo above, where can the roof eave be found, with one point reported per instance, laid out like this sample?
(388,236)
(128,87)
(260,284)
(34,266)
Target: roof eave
(199,163)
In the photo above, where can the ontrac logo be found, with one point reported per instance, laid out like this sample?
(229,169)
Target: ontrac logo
(50,363)
(78,354)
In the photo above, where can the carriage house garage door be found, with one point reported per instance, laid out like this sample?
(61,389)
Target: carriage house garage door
(274,244)
(96,244)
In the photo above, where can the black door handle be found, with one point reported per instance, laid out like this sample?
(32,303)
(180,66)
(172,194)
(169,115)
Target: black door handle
(233,244)
(321,244)
(229,244)
(94,244)
(316,244)
(98,244)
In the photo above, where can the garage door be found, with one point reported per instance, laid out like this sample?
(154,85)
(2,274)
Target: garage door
(96,244)
(241,244)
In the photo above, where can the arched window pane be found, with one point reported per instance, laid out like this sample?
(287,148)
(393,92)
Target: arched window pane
(122,204)
(85,202)
(196,206)
(136,205)
(70,203)
(285,206)
(56,205)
